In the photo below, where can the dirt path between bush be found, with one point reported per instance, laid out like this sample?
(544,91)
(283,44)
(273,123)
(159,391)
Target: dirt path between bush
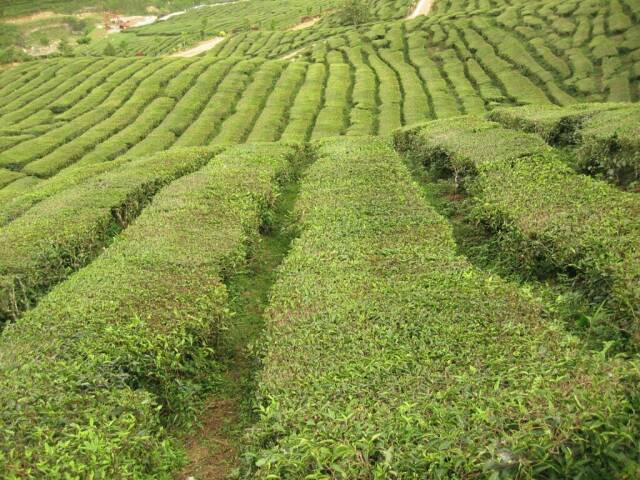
(200,48)
(309,22)
(422,8)
(31,18)
(47,14)
(290,55)
(211,453)
(213,449)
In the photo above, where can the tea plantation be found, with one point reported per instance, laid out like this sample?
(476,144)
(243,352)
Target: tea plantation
(346,239)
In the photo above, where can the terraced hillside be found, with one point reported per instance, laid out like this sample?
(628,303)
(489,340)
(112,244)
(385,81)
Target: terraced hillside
(65,112)
(333,242)
(532,52)
(15,8)
(256,18)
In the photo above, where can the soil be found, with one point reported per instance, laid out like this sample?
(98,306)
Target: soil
(200,48)
(31,18)
(210,454)
(131,22)
(306,23)
(293,54)
(422,8)
(47,14)
(38,51)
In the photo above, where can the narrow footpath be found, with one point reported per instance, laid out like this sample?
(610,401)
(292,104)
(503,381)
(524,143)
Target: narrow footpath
(213,450)
(199,48)
(422,8)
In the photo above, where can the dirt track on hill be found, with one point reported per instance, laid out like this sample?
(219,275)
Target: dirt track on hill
(293,54)
(200,48)
(306,24)
(422,8)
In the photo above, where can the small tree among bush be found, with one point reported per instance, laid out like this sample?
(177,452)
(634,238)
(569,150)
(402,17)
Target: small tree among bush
(77,25)
(203,27)
(64,48)
(109,50)
(354,12)
(11,54)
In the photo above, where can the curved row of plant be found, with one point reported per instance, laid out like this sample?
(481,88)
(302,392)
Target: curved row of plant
(606,135)
(548,219)
(379,77)
(90,377)
(79,134)
(67,230)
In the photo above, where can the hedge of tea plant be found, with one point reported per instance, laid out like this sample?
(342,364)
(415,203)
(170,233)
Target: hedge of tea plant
(387,355)
(605,135)
(549,220)
(65,231)
(91,378)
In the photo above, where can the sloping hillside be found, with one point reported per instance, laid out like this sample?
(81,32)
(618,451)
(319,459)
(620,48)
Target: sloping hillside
(338,241)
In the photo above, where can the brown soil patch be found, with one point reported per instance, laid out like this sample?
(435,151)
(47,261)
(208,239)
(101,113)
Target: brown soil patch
(39,51)
(293,54)
(306,23)
(422,8)
(200,48)
(211,455)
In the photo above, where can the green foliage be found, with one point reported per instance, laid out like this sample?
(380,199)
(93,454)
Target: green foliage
(10,36)
(16,203)
(109,136)
(109,50)
(134,340)
(388,354)
(10,55)
(333,117)
(203,27)
(362,114)
(306,106)
(548,220)
(605,135)
(354,12)
(78,117)
(558,126)
(190,89)
(77,25)
(237,127)
(610,145)
(26,7)
(64,48)
(220,105)
(460,146)
(381,359)
(275,115)
(8,176)
(64,232)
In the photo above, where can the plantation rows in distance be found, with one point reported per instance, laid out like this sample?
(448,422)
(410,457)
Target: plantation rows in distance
(88,209)
(340,243)
(351,88)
